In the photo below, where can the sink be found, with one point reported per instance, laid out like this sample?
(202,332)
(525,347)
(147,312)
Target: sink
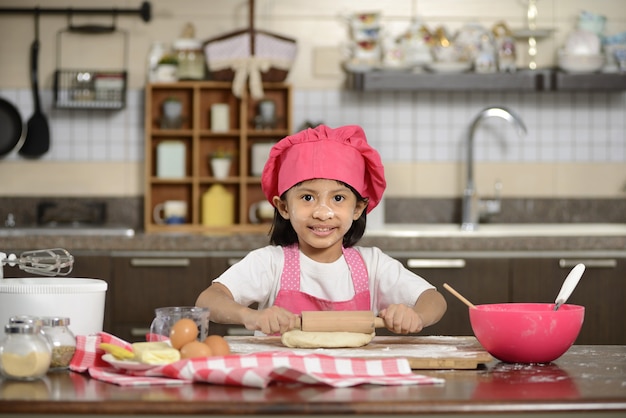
(67,230)
(499,230)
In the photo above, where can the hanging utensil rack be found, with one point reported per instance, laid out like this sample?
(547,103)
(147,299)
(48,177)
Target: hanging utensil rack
(90,88)
(144,11)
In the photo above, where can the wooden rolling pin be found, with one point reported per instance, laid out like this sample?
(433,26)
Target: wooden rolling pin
(333,321)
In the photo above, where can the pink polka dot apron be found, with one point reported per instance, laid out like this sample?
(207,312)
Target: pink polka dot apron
(291,298)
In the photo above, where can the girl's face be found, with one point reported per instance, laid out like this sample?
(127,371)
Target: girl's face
(321,212)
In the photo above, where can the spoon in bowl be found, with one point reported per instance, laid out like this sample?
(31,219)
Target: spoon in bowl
(568,285)
(458,295)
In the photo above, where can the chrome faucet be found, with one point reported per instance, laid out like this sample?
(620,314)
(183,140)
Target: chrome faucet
(473,206)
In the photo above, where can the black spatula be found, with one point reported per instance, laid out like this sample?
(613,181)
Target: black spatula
(37,141)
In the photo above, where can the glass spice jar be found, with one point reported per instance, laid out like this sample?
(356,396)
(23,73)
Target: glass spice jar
(24,352)
(190,59)
(61,339)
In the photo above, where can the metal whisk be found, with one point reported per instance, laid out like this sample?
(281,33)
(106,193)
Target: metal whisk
(50,262)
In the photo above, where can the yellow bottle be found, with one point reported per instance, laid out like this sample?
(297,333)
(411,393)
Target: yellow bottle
(218,207)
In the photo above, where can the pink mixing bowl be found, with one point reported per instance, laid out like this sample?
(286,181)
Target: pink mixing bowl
(526,332)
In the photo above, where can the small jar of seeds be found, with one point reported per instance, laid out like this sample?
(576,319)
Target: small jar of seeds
(61,339)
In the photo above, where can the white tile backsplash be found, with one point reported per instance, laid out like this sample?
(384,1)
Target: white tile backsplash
(403,126)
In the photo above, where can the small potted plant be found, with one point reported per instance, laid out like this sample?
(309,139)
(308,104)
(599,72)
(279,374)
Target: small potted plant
(167,69)
(172,113)
(220,161)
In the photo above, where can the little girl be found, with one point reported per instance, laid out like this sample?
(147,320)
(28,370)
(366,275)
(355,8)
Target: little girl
(322,182)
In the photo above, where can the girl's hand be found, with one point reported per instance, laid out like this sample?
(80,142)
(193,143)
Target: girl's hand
(401,319)
(270,321)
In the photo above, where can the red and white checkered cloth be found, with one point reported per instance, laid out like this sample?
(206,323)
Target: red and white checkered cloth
(253,370)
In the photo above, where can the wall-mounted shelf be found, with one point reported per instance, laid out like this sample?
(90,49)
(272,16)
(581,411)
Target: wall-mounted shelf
(595,82)
(522,81)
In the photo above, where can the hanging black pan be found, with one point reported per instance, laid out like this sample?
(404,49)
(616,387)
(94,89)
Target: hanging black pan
(37,141)
(11,127)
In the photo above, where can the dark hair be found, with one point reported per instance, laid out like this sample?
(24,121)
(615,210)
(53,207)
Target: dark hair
(282,233)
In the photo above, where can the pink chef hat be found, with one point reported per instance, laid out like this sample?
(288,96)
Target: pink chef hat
(324,153)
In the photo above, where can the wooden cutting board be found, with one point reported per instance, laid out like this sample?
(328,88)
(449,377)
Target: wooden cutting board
(427,352)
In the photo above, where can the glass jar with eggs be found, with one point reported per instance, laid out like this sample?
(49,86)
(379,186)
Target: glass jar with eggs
(167,317)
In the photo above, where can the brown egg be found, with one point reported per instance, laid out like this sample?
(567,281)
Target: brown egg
(219,346)
(195,349)
(184,331)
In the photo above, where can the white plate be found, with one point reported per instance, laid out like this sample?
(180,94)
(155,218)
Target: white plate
(126,364)
(449,67)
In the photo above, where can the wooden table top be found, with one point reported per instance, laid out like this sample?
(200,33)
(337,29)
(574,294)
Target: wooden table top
(587,378)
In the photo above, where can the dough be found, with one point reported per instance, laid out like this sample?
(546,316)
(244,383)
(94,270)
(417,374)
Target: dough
(301,339)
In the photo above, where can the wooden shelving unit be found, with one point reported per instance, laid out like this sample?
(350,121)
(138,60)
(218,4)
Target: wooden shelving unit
(200,141)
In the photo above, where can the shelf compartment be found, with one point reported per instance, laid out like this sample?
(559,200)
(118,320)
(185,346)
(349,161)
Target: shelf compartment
(162,94)
(232,188)
(154,155)
(219,93)
(167,190)
(281,98)
(253,194)
(209,145)
(257,150)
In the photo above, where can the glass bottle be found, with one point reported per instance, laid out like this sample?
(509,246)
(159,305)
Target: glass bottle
(24,352)
(190,59)
(157,51)
(62,340)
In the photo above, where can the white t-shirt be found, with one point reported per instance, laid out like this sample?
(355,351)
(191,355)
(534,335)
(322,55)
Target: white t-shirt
(256,278)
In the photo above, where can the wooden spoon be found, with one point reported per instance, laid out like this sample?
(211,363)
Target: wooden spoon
(459,296)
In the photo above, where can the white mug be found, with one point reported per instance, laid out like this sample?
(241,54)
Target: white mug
(261,211)
(170,212)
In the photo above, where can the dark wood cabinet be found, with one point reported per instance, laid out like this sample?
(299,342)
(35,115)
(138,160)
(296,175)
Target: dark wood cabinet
(481,280)
(138,283)
(143,283)
(601,290)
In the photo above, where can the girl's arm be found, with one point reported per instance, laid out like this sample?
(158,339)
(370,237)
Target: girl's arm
(403,319)
(224,310)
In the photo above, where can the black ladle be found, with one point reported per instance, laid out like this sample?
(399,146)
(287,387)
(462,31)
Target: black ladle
(37,141)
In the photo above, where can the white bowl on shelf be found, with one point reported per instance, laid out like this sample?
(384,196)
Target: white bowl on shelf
(580,63)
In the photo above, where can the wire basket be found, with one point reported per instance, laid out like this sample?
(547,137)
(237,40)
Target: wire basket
(90,88)
(85,89)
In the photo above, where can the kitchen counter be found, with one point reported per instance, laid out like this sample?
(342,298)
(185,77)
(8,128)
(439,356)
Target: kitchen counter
(398,239)
(589,379)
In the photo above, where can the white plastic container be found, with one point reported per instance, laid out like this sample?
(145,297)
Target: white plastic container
(81,300)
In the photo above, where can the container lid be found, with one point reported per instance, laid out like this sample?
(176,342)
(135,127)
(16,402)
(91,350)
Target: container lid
(55,321)
(187,43)
(21,329)
(52,285)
